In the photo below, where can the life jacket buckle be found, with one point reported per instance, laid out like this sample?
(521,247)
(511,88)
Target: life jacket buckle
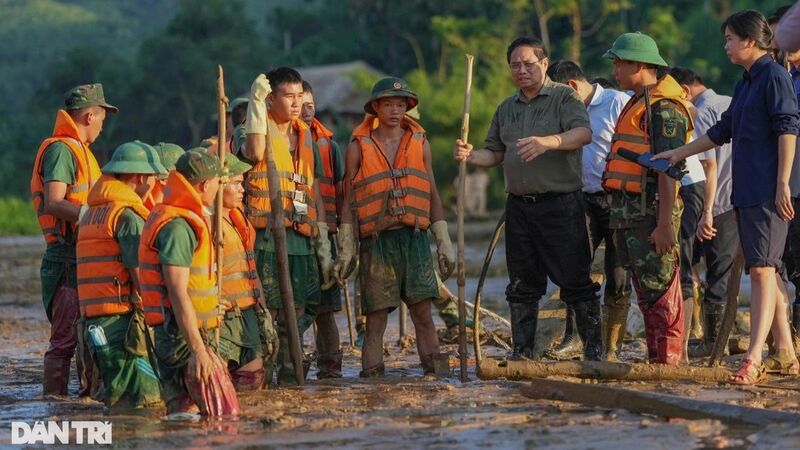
(400,172)
(397,211)
(397,193)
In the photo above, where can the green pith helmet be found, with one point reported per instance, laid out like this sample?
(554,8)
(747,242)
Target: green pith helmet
(637,47)
(169,154)
(134,157)
(391,87)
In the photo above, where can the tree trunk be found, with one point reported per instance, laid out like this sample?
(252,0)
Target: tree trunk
(543,16)
(577,25)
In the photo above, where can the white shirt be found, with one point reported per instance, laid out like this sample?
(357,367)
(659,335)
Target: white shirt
(695,170)
(603,109)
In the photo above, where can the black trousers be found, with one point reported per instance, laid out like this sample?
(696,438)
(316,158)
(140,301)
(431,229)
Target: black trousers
(693,197)
(618,281)
(719,253)
(546,237)
(791,254)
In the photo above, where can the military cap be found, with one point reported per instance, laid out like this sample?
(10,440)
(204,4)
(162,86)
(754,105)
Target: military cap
(391,87)
(87,95)
(197,165)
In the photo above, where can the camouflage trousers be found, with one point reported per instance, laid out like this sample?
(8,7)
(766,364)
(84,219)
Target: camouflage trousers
(636,251)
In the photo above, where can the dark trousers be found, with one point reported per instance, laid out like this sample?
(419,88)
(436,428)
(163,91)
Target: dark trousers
(546,237)
(618,283)
(693,197)
(791,254)
(720,252)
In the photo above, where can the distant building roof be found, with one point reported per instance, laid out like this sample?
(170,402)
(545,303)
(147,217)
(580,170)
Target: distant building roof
(334,90)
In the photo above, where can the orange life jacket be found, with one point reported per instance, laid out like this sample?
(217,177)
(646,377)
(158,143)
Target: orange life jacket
(327,184)
(240,283)
(389,194)
(154,197)
(627,176)
(87,173)
(181,201)
(296,175)
(104,284)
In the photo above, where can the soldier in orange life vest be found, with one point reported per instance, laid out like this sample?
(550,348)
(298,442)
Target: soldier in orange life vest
(168,154)
(329,355)
(241,333)
(63,172)
(108,281)
(390,182)
(178,278)
(299,166)
(644,209)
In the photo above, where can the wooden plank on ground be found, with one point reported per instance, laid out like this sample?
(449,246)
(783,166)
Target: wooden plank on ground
(653,403)
(491,369)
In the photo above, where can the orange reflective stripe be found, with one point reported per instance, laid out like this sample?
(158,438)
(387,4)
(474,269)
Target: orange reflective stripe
(86,174)
(182,201)
(387,194)
(104,284)
(296,174)
(627,176)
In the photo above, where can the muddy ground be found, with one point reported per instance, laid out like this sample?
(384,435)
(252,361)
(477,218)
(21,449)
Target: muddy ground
(397,411)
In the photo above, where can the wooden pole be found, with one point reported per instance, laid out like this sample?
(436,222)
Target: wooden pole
(492,369)
(403,318)
(282,258)
(222,104)
(476,311)
(731,307)
(348,309)
(462,179)
(654,403)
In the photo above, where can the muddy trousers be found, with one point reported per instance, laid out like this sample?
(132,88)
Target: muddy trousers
(63,342)
(663,323)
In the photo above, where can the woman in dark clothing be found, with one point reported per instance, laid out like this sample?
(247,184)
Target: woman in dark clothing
(763,123)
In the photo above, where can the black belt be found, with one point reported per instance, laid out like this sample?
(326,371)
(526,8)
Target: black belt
(596,194)
(538,198)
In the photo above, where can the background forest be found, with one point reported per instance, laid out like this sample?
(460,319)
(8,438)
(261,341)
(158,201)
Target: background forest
(157,60)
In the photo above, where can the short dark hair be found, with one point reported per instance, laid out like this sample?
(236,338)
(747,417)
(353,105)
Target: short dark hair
(239,114)
(603,82)
(525,41)
(283,75)
(750,24)
(562,71)
(684,75)
(307,88)
(778,14)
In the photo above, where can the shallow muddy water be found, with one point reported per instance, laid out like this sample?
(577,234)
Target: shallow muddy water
(398,411)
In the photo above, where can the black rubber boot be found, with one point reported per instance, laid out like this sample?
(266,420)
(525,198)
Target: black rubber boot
(587,320)
(570,347)
(524,318)
(712,319)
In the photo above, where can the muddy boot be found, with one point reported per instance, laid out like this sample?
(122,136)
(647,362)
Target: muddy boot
(329,365)
(712,315)
(524,318)
(375,371)
(587,321)
(615,326)
(571,346)
(55,376)
(688,308)
(284,365)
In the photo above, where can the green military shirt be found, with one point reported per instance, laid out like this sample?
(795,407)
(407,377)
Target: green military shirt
(670,123)
(554,110)
(128,234)
(296,243)
(176,243)
(58,164)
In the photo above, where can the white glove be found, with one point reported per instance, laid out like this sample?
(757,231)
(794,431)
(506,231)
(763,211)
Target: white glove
(444,248)
(323,248)
(82,212)
(256,122)
(347,258)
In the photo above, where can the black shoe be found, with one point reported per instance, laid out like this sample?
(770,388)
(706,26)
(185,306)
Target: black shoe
(524,318)
(587,319)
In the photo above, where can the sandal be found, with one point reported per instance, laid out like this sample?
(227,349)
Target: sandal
(749,374)
(782,363)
